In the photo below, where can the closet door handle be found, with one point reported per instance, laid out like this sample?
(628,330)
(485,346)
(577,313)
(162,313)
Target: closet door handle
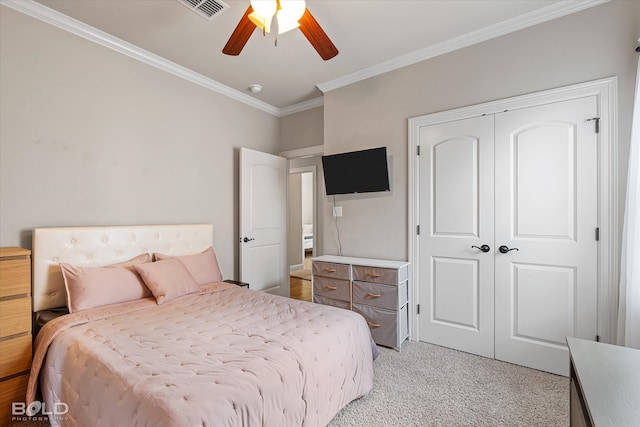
(483,248)
(504,249)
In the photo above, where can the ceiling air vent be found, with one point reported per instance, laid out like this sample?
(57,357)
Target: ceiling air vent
(206,8)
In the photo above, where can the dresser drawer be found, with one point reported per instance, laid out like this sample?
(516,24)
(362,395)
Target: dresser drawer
(387,276)
(16,355)
(15,277)
(327,269)
(382,323)
(319,299)
(388,328)
(337,289)
(382,296)
(15,316)
(13,390)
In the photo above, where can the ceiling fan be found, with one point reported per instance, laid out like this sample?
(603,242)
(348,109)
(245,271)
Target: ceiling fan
(290,14)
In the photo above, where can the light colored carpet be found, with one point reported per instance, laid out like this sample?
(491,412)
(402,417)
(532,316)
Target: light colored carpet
(427,385)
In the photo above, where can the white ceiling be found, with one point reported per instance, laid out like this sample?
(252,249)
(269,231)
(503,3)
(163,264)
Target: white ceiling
(373,36)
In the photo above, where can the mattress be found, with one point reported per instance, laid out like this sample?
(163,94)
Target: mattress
(224,357)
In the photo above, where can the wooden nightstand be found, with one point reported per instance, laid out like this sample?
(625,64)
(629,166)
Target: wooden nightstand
(15,327)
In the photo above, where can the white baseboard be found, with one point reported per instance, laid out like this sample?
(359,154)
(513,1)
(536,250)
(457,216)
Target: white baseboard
(296,267)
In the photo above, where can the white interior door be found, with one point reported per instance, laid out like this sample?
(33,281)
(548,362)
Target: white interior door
(546,207)
(456,213)
(263,221)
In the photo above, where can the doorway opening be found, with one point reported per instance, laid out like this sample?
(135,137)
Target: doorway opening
(302,228)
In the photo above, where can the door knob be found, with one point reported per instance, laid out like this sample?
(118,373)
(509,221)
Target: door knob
(483,248)
(247,239)
(504,249)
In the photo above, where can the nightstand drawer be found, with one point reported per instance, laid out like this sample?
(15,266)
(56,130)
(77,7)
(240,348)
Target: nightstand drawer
(318,299)
(327,269)
(15,277)
(16,355)
(15,316)
(387,276)
(336,289)
(383,296)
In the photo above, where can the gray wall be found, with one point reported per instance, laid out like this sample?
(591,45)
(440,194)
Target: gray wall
(89,136)
(592,44)
(303,129)
(92,137)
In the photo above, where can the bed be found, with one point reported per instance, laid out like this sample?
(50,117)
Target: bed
(217,355)
(307,237)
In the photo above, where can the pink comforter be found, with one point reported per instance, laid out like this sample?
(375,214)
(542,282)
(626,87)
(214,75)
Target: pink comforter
(223,357)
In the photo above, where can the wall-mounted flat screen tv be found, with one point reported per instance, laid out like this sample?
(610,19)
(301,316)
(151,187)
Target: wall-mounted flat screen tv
(363,171)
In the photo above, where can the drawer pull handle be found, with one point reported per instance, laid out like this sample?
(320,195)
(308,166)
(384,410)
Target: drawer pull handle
(373,275)
(371,294)
(375,325)
(330,270)
(333,288)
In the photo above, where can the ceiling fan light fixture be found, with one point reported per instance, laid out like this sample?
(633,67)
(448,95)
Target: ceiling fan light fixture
(289,14)
(262,15)
(264,8)
(306,23)
(261,22)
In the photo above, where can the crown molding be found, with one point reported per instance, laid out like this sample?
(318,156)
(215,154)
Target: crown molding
(302,106)
(544,14)
(64,22)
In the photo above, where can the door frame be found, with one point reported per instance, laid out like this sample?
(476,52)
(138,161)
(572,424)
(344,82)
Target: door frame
(299,153)
(606,91)
(312,170)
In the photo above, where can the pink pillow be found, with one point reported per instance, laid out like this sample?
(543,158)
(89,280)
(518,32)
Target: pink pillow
(89,287)
(203,266)
(167,279)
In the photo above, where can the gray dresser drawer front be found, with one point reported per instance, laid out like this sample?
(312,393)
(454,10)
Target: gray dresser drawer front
(382,296)
(319,299)
(387,276)
(332,288)
(327,269)
(382,323)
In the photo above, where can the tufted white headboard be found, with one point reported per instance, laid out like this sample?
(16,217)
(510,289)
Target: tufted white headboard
(100,246)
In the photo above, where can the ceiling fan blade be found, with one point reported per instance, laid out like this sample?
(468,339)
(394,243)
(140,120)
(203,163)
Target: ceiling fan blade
(317,37)
(240,35)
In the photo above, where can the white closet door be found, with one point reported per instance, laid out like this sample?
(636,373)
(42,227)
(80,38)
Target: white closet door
(546,206)
(456,213)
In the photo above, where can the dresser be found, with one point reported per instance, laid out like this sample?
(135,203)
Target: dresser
(15,327)
(377,289)
(605,384)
